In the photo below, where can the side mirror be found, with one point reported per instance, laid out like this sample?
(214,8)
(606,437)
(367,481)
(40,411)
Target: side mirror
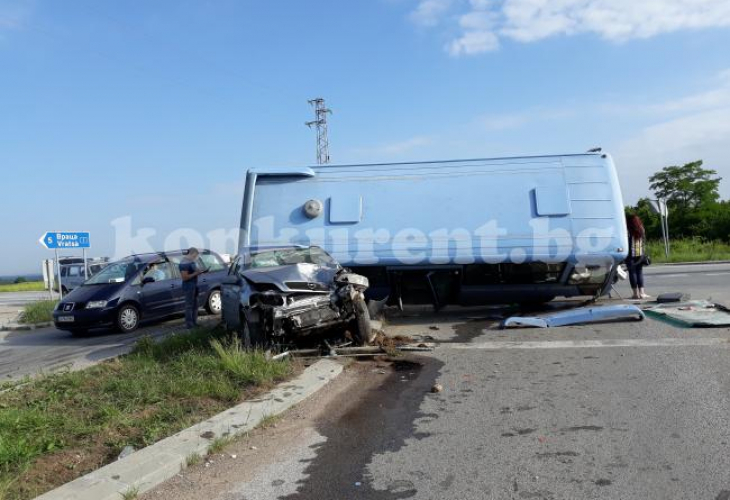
(231,279)
(147,280)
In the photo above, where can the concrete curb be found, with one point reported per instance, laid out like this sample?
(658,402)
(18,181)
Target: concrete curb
(17,327)
(698,263)
(151,466)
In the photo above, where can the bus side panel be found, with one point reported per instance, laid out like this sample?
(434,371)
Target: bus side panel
(483,213)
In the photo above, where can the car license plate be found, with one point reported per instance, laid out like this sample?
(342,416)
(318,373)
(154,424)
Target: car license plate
(65,319)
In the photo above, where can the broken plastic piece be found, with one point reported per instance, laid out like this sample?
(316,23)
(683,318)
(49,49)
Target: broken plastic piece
(577,316)
(672,297)
(695,313)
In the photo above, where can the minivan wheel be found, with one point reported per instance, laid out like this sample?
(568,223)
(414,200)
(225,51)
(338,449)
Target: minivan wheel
(214,305)
(127,318)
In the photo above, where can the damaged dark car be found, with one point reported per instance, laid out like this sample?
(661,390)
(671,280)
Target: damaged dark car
(277,296)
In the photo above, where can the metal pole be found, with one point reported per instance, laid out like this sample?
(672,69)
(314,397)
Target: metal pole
(664,236)
(666,223)
(58,271)
(48,271)
(86,266)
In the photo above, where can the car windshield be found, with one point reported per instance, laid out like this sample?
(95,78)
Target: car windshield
(288,256)
(118,272)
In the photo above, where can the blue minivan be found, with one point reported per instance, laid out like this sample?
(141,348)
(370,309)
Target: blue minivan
(138,288)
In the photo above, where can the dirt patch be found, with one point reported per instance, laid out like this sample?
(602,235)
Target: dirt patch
(390,343)
(366,410)
(60,467)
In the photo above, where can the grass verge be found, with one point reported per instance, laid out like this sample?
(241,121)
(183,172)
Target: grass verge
(38,312)
(688,250)
(28,286)
(55,429)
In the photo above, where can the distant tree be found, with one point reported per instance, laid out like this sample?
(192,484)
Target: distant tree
(686,187)
(20,279)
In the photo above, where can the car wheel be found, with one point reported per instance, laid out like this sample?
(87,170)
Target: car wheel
(360,328)
(252,335)
(214,304)
(127,318)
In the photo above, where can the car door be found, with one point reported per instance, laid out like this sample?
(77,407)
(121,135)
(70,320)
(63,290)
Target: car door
(217,270)
(178,294)
(158,290)
(231,296)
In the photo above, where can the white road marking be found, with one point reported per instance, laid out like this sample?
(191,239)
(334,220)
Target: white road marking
(716,274)
(670,275)
(577,344)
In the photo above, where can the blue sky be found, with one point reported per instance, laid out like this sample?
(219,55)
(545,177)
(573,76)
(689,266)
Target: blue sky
(153,110)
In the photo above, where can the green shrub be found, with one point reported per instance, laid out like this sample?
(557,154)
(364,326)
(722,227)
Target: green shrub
(38,312)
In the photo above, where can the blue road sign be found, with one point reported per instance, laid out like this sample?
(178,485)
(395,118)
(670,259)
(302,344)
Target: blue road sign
(65,239)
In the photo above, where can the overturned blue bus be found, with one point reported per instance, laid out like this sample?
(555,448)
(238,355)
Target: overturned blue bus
(522,229)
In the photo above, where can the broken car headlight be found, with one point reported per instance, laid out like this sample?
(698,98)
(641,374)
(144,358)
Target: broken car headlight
(354,279)
(270,298)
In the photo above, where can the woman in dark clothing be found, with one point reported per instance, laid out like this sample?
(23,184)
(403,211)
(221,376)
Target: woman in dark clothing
(636,260)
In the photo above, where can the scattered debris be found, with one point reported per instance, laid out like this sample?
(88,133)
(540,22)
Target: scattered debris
(433,327)
(577,316)
(695,313)
(437,388)
(672,297)
(253,448)
(283,355)
(126,451)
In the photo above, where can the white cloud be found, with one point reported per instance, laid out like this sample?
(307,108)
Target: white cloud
(698,127)
(473,42)
(430,12)
(483,23)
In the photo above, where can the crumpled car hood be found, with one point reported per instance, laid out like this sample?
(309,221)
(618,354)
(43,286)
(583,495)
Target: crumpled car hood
(295,272)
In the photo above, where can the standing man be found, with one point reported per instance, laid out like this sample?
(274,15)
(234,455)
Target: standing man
(189,272)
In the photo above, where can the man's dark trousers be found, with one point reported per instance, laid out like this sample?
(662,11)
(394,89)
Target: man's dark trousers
(191,305)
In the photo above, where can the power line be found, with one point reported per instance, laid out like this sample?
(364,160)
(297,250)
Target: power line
(320,114)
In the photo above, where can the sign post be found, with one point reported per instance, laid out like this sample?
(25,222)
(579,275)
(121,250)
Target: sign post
(660,207)
(48,279)
(53,240)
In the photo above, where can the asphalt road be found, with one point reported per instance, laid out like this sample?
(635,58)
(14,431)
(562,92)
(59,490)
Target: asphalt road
(27,353)
(21,298)
(632,410)
(47,349)
(701,281)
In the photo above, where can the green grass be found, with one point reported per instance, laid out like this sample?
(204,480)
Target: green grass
(688,250)
(193,459)
(29,286)
(131,493)
(38,312)
(219,443)
(268,421)
(154,392)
